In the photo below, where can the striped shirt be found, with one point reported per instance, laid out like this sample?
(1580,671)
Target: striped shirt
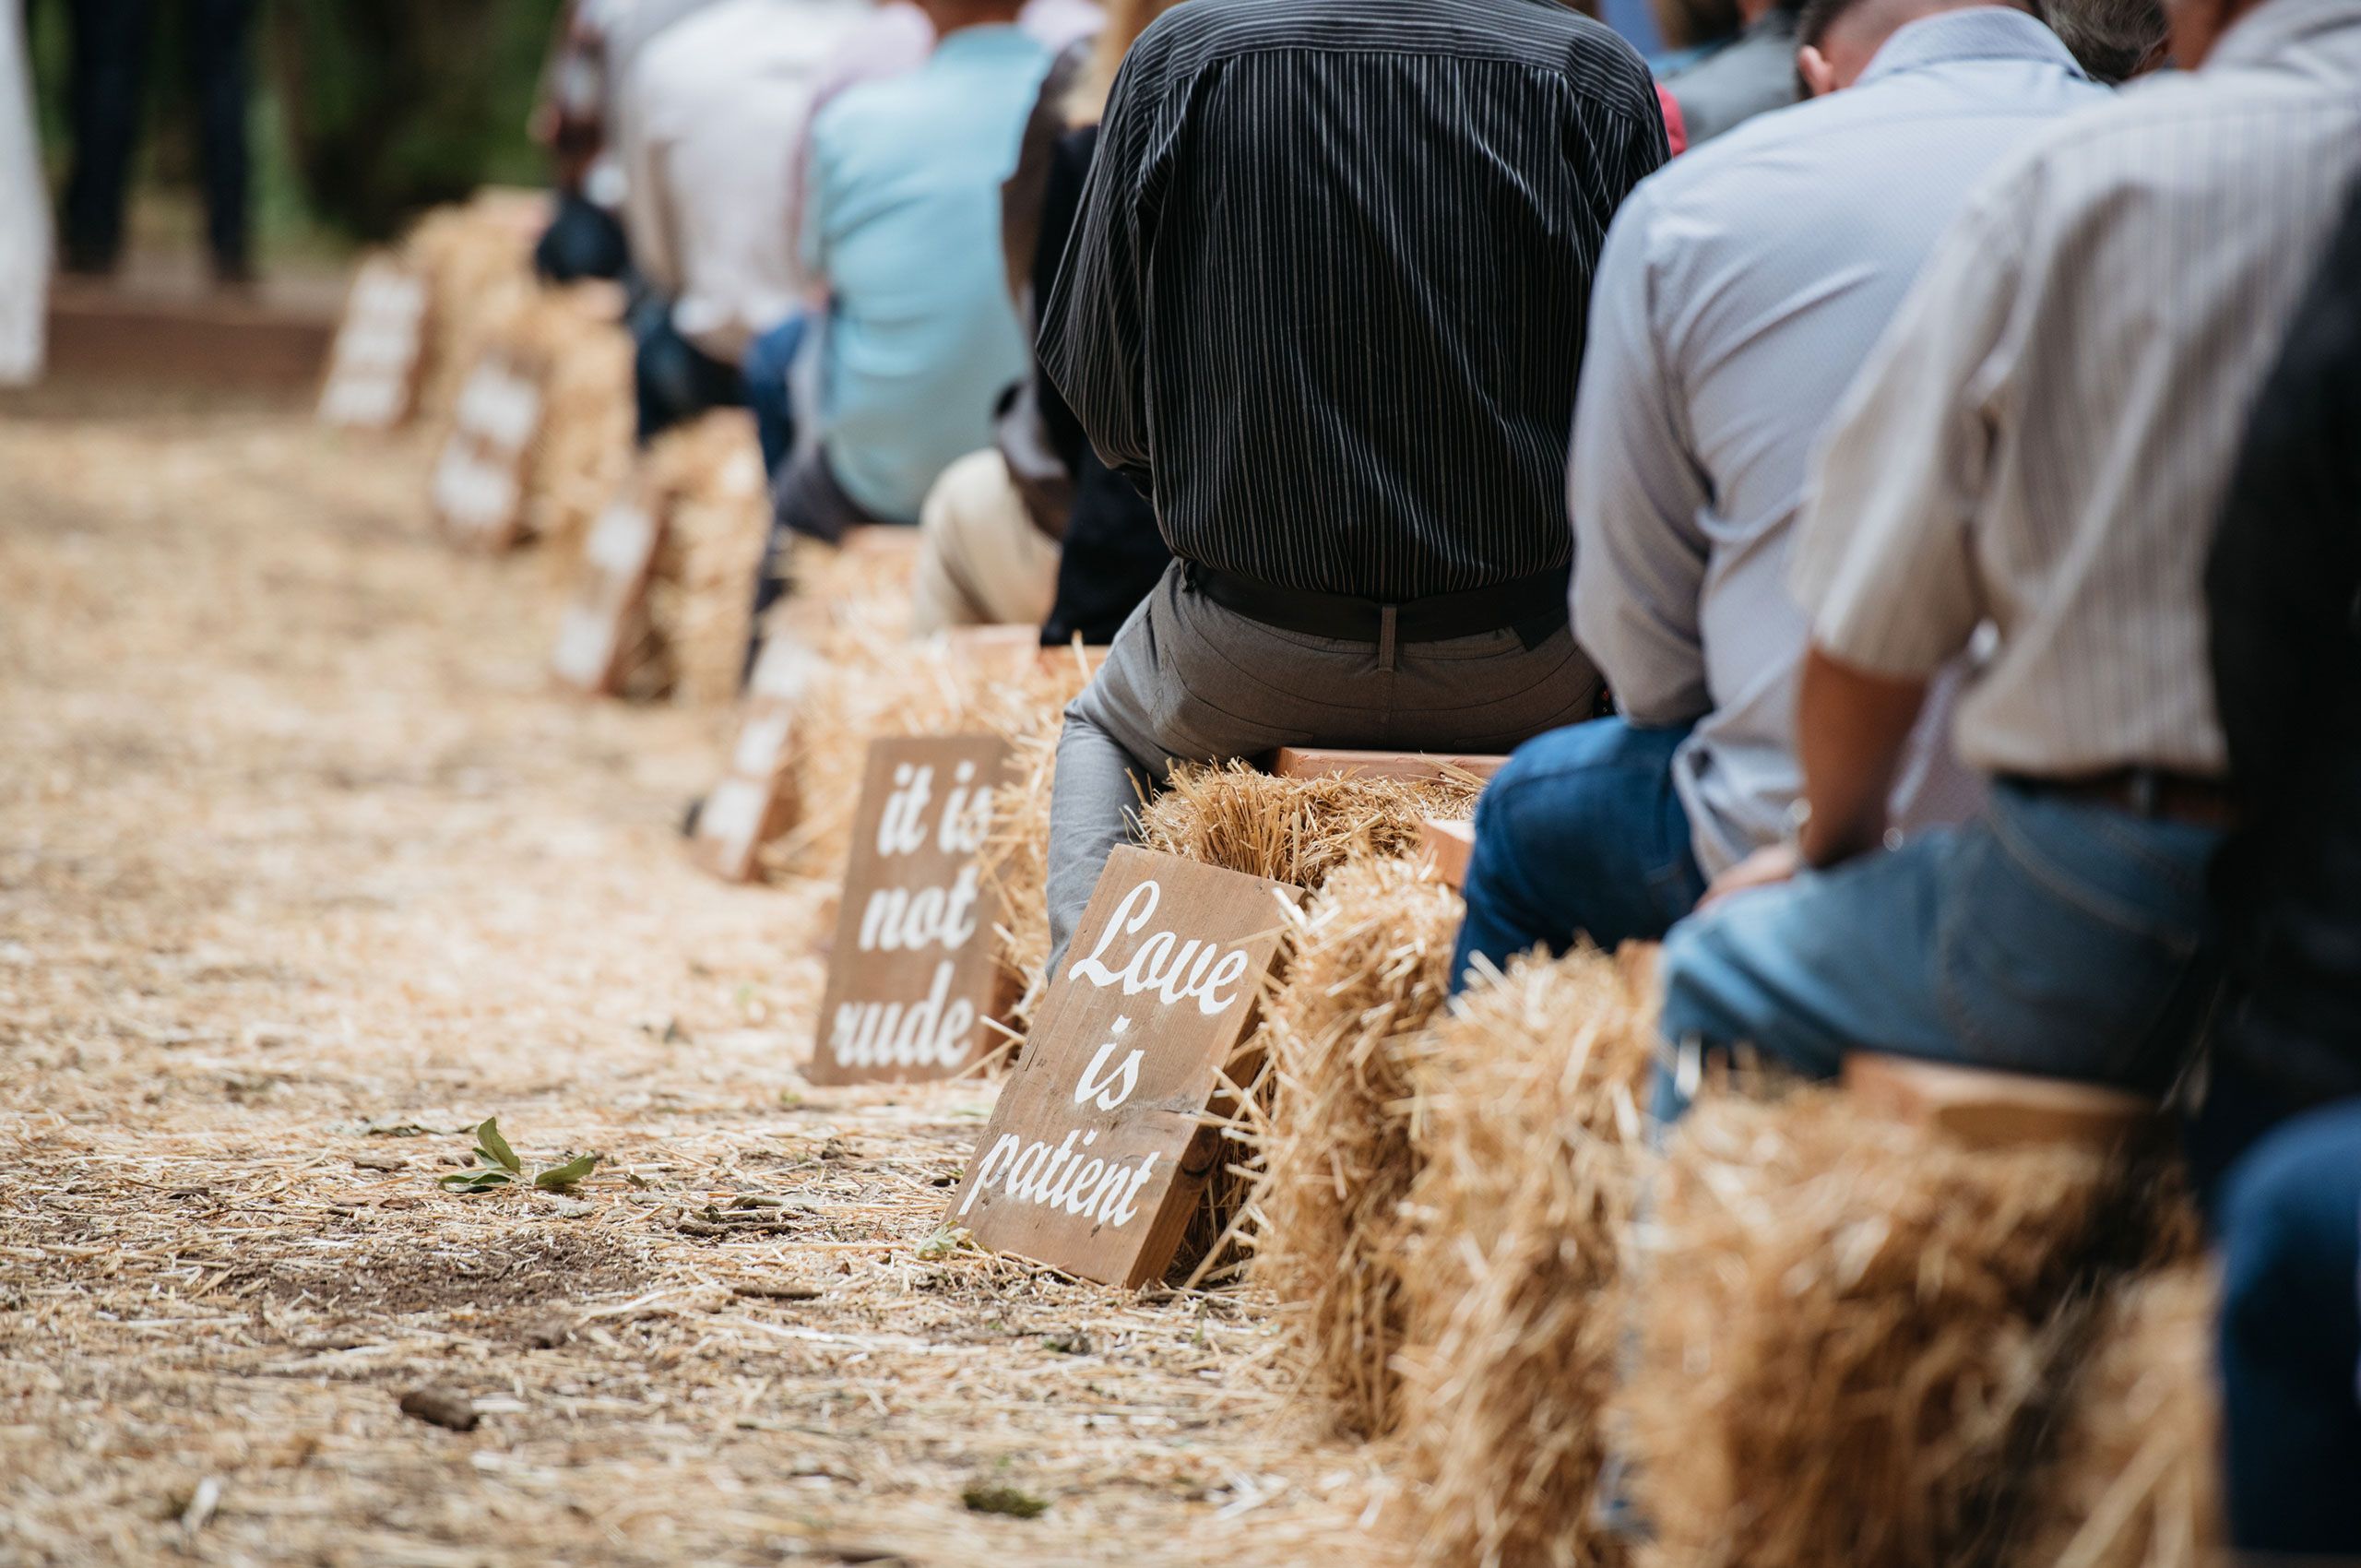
(2043,439)
(1326,299)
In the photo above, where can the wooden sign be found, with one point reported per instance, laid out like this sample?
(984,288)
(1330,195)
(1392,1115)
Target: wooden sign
(1095,1153)
(915,974)
(380,348)
(618,560)
(754,803)
(1989,1109)
(480,482)
(1449,843)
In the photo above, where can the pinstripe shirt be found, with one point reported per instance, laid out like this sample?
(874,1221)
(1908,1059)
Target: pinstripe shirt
(2043,439)
(1325,302)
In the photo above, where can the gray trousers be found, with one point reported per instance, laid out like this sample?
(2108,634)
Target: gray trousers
(1188,681)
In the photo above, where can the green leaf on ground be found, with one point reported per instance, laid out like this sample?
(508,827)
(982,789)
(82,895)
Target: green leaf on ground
(482,1180)
(1005,1500)
(495,1149)
(558,1178)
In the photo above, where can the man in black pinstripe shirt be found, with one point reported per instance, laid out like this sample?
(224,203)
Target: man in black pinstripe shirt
(1325,307)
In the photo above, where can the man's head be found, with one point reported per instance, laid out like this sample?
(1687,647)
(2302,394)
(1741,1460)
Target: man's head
(1836,39)
(2194,27)
(950,16)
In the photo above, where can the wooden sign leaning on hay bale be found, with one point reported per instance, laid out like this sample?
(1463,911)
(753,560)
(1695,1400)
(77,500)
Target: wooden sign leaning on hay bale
(379,354)
(754,803)
(1099,1148)
(915,978)
(610,599)
(479,488)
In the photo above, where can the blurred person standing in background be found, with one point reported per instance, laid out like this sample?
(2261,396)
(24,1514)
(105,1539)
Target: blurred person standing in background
(24,213)
(109,66)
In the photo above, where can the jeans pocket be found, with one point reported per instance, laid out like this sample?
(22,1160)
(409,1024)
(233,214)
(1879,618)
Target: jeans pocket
(2035,981)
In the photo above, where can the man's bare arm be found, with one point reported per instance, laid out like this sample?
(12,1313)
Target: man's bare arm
(1851,730)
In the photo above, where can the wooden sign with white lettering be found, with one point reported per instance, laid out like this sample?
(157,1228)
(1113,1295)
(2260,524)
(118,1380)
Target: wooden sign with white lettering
(380,348)
(1095,1153)
(754,803)
(479,488)
(916,973)
(617,562)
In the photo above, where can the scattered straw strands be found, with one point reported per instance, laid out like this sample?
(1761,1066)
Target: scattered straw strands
(1295,830)
(1528,1136)
(2132,1481)
(1845,1328)
(1370,965)
(706,478)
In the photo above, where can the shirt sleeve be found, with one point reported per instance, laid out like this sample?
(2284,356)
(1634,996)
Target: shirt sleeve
(1885,561)
(1635,495)
(1093,334)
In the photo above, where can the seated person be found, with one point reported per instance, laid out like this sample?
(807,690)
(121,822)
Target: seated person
(901,228)
(1360,488)
(1739,290)
(712,101)
(2282,1100)
(2033,448)
(1752,72)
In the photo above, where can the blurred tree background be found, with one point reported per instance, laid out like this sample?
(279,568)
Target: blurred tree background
(362,114)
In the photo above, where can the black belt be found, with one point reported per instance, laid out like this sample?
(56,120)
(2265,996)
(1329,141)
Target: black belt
(1534,608)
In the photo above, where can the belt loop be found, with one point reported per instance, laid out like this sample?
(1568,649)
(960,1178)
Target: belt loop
(1386,617)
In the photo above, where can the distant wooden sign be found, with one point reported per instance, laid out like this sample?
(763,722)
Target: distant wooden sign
(1095,1153)
(380,348)
(754,803)
(915,974)
(480,482)
(618,560)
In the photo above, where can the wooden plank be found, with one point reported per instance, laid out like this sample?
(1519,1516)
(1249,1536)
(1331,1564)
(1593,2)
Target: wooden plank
(617,562)
(1317,762)
(1096,1151)
(375,362)
(913,976)
(754,801)
(1990,1109)
(478,486)
(1448,843)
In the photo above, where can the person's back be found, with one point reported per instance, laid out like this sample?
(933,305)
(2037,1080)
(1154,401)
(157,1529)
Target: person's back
(1365,231)
(1762,269)
(904,229)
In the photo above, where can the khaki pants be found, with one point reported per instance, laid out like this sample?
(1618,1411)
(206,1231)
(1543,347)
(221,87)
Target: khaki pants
(981,562)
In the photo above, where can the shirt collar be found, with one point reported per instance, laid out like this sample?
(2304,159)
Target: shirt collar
(2277,28)
(1976,33)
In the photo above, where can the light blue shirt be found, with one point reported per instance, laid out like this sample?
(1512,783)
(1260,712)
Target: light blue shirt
(903,225)
(1739,290)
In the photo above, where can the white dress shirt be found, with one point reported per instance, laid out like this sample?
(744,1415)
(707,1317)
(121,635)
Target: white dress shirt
(1740,289)
(2043,439)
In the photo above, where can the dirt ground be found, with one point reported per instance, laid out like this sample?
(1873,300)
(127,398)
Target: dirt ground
(303,871)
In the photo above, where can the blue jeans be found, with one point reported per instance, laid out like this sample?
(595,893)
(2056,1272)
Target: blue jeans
(769,359)
(1581,835)
(2290,1225)
(2049,936)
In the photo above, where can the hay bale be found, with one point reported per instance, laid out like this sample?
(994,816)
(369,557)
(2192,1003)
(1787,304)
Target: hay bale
(705,479)
(1295,830)
(1528,1141)
(1015,863)
(1847,1327)
(1367,966)
(583,453)
(477,259)
(2133,1480)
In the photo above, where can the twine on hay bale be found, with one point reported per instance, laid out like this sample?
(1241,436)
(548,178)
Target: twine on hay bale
(706,480)
(1848,1331)
(477,259)
(1295,830)
(1369,967)
(1528,1140)
(2132,1480)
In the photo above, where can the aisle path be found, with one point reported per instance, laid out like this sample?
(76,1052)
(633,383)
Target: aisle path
(304,869)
